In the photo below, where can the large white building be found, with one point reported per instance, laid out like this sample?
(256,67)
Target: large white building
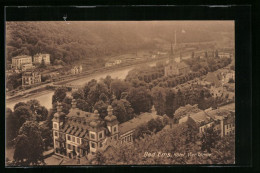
(79,133)
(19,61)
(221,119)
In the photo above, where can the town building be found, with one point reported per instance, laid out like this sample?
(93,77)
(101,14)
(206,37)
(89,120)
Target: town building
(118,61)
(30,78)
(109,64)
(221,119)
(224,55)
(113,63)
(38,58)
(26,67)
(76,69)
(19,61)
(79,133)
(175,66)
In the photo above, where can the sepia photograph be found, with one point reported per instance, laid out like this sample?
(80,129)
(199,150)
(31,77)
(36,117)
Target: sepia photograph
(158,92)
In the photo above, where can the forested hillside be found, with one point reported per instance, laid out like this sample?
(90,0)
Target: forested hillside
(94,39)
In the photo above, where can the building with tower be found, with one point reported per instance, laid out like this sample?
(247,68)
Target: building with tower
(79,133)
(175,66)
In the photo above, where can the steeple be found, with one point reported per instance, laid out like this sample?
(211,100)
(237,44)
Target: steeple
(171,55)
(171,50)
(175,38)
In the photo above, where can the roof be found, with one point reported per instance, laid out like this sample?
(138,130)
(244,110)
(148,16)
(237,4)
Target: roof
(22,56)
(41,54)
(79,122)
(211,77)
(200,117)
(216,113)
(230,107)
(133,123)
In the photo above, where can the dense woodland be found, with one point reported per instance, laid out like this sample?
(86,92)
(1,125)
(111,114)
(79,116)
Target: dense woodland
(91,41)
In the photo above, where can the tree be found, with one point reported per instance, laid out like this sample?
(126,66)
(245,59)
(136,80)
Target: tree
(119,111)
(11,128)
(159,99)
(67,100)
(124,95)
(169,103)
(101,107)
(155,125)
(140,131)
(29,145)
(33,104)
(83,105)
(22,114)
(41,113)
(46,134)
(99,158)
(209,138)
(108,79)
(140,99)
(79,94)
(118,86)
(128,108)
(14,81)
(59,95)
(103,97)
(20,104)
(96,91)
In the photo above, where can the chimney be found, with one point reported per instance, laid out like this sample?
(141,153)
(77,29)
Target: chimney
(73,103)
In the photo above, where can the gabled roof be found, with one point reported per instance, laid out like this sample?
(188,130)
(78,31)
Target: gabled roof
(133,123)
(211,77)
(200,117)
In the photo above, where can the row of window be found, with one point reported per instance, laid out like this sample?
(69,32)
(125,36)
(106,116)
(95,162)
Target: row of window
(229,126)
(230,132)
(73,139)
(127,139)
(73,147)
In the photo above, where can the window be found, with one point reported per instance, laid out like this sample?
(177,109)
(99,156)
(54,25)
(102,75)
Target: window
(55,126)
(100,135)
(100,145)
(55,134)
(73,139)
(74,148)
(92,136)
(93,145)
(115,137)
(78,140)
(69,138)
(69,146)
(77,149)
(114,129)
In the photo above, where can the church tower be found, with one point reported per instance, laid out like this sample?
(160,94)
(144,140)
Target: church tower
(171,59)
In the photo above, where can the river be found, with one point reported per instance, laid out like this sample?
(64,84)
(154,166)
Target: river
(45,97)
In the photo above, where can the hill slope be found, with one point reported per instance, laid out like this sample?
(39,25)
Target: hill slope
(93,39)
